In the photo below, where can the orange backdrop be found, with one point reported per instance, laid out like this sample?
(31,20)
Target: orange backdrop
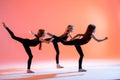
(54,16)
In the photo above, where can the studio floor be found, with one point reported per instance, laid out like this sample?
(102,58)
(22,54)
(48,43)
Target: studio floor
(96,70)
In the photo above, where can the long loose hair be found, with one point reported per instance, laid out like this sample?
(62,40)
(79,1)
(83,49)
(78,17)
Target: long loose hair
(67,30)
(40,34)
(89,30)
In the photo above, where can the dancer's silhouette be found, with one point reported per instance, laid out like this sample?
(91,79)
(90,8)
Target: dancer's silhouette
(27,43)
(86,37)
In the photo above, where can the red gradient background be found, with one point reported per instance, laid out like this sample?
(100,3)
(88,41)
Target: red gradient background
(54,16)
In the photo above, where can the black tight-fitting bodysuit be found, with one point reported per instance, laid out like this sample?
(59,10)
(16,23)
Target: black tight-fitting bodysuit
(26,44)
(76,43)
(56,46)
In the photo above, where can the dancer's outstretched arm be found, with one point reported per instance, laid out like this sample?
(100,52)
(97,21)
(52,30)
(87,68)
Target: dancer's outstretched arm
(41,39)
(78,35)
(99,40)
(33,34)
(70,35)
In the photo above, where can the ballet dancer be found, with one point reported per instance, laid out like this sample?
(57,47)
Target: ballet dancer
(64,36)
(77,42)
(27,43)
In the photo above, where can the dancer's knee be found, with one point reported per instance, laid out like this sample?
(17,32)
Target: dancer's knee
(31,56)
(81,56)
(57,52)
(13,37)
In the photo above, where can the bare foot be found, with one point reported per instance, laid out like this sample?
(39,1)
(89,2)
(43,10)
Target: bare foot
(59,66)
(4,25)
(82,70)
(29,71)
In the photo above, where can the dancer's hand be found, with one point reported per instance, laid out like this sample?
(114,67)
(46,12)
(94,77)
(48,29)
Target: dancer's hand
(105,38)
(31,32)
(51,40)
